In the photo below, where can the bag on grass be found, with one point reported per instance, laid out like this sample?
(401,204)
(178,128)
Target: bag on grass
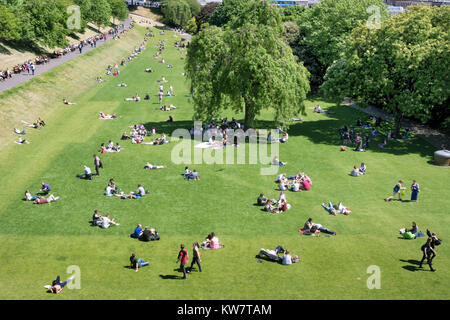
(408,235)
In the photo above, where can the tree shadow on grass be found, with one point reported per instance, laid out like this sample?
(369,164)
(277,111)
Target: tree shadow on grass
(326,131)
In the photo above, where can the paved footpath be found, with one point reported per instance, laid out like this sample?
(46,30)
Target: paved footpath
(434,137)
(24,76)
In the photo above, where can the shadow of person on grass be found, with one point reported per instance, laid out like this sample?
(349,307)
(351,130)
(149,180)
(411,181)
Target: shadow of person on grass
(169,277)
(413,265)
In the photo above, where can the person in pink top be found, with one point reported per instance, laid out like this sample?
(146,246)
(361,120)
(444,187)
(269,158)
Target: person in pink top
(306,184)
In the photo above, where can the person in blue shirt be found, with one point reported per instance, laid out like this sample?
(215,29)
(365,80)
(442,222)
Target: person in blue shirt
(414,191)
(137,232)
(45,188)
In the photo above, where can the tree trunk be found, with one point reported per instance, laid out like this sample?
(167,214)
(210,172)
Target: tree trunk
(397,121)
(249,116)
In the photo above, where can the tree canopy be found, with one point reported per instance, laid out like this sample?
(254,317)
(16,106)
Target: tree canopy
(179,12)
(9,24)
(402,67)
(246,66)
(326,25)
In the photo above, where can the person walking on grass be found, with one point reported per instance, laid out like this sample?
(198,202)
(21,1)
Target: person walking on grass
(398,189)
(428,253)
(183,259)
(196,257)
(98,164)
(136,263)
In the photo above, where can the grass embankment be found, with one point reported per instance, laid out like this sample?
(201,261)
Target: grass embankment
(41,241)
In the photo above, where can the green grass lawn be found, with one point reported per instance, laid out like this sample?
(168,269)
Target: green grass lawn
(41,241)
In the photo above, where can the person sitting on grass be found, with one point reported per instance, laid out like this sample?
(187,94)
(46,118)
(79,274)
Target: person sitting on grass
(140,191)
(187,173)
(87,173)
(148,70)
(269,207)
(68,103)
(29,197)
(362,168)
(150,166)
(284,206)
(355,172)
(106,221)
(45,188)
(261,200)
(318,109)
(149,235)
(136,263)
(20,140)
(45,200)
(284,138)
(124,136)
(95,218)
(137,232)
(412,233)
(287,259)
(193,175)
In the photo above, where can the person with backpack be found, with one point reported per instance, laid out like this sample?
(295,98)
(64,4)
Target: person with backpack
(183,259)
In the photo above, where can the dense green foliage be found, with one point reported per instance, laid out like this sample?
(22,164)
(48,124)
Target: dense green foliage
(179,12)
(324,29)
(226,11)
(205,14)
(46,22)
(246,66)
(9,24)
(403,66)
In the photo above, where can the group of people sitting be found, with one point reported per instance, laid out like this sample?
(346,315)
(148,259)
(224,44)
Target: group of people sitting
(211,242)
(39,198)
(272,205)
(334,210)
(110,147)
(113,190)
(191,175)
(411,233)
(147,234)
(167,108)
(356,172)
(296,183)
(103,222)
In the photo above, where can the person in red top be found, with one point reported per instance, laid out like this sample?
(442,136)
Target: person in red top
(306,184)
(183,259)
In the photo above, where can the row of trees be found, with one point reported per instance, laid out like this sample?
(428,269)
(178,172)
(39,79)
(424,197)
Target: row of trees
(48,22)
(179,12)
(351,49)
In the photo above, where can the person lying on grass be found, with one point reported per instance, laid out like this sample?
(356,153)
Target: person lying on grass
(162,80)
(311,227)
(150,166)
(20,140)
(287,259)
(19,131)
(334,210)
(45,200)
(68,103)
(277,162)
(123,195)
(57,285)
(106,221)
(136,98)
(167,108)
(29,197)
(148,70)
(122,85)
(107,116)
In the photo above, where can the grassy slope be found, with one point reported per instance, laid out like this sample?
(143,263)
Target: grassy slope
(40,242)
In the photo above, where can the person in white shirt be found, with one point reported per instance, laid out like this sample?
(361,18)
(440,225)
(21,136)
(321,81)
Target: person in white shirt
(108,191)
(87,173)
(287,259)
(282,197)
(140,190)
(106,221)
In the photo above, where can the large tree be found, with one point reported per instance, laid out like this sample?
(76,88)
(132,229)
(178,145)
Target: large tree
(101,13)
(119,9)
(227,11)
(325,27)
(205,14)
(9,24)
(246,66)
(402,67)
(179,12)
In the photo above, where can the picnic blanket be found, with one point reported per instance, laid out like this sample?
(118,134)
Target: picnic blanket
(307,232)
